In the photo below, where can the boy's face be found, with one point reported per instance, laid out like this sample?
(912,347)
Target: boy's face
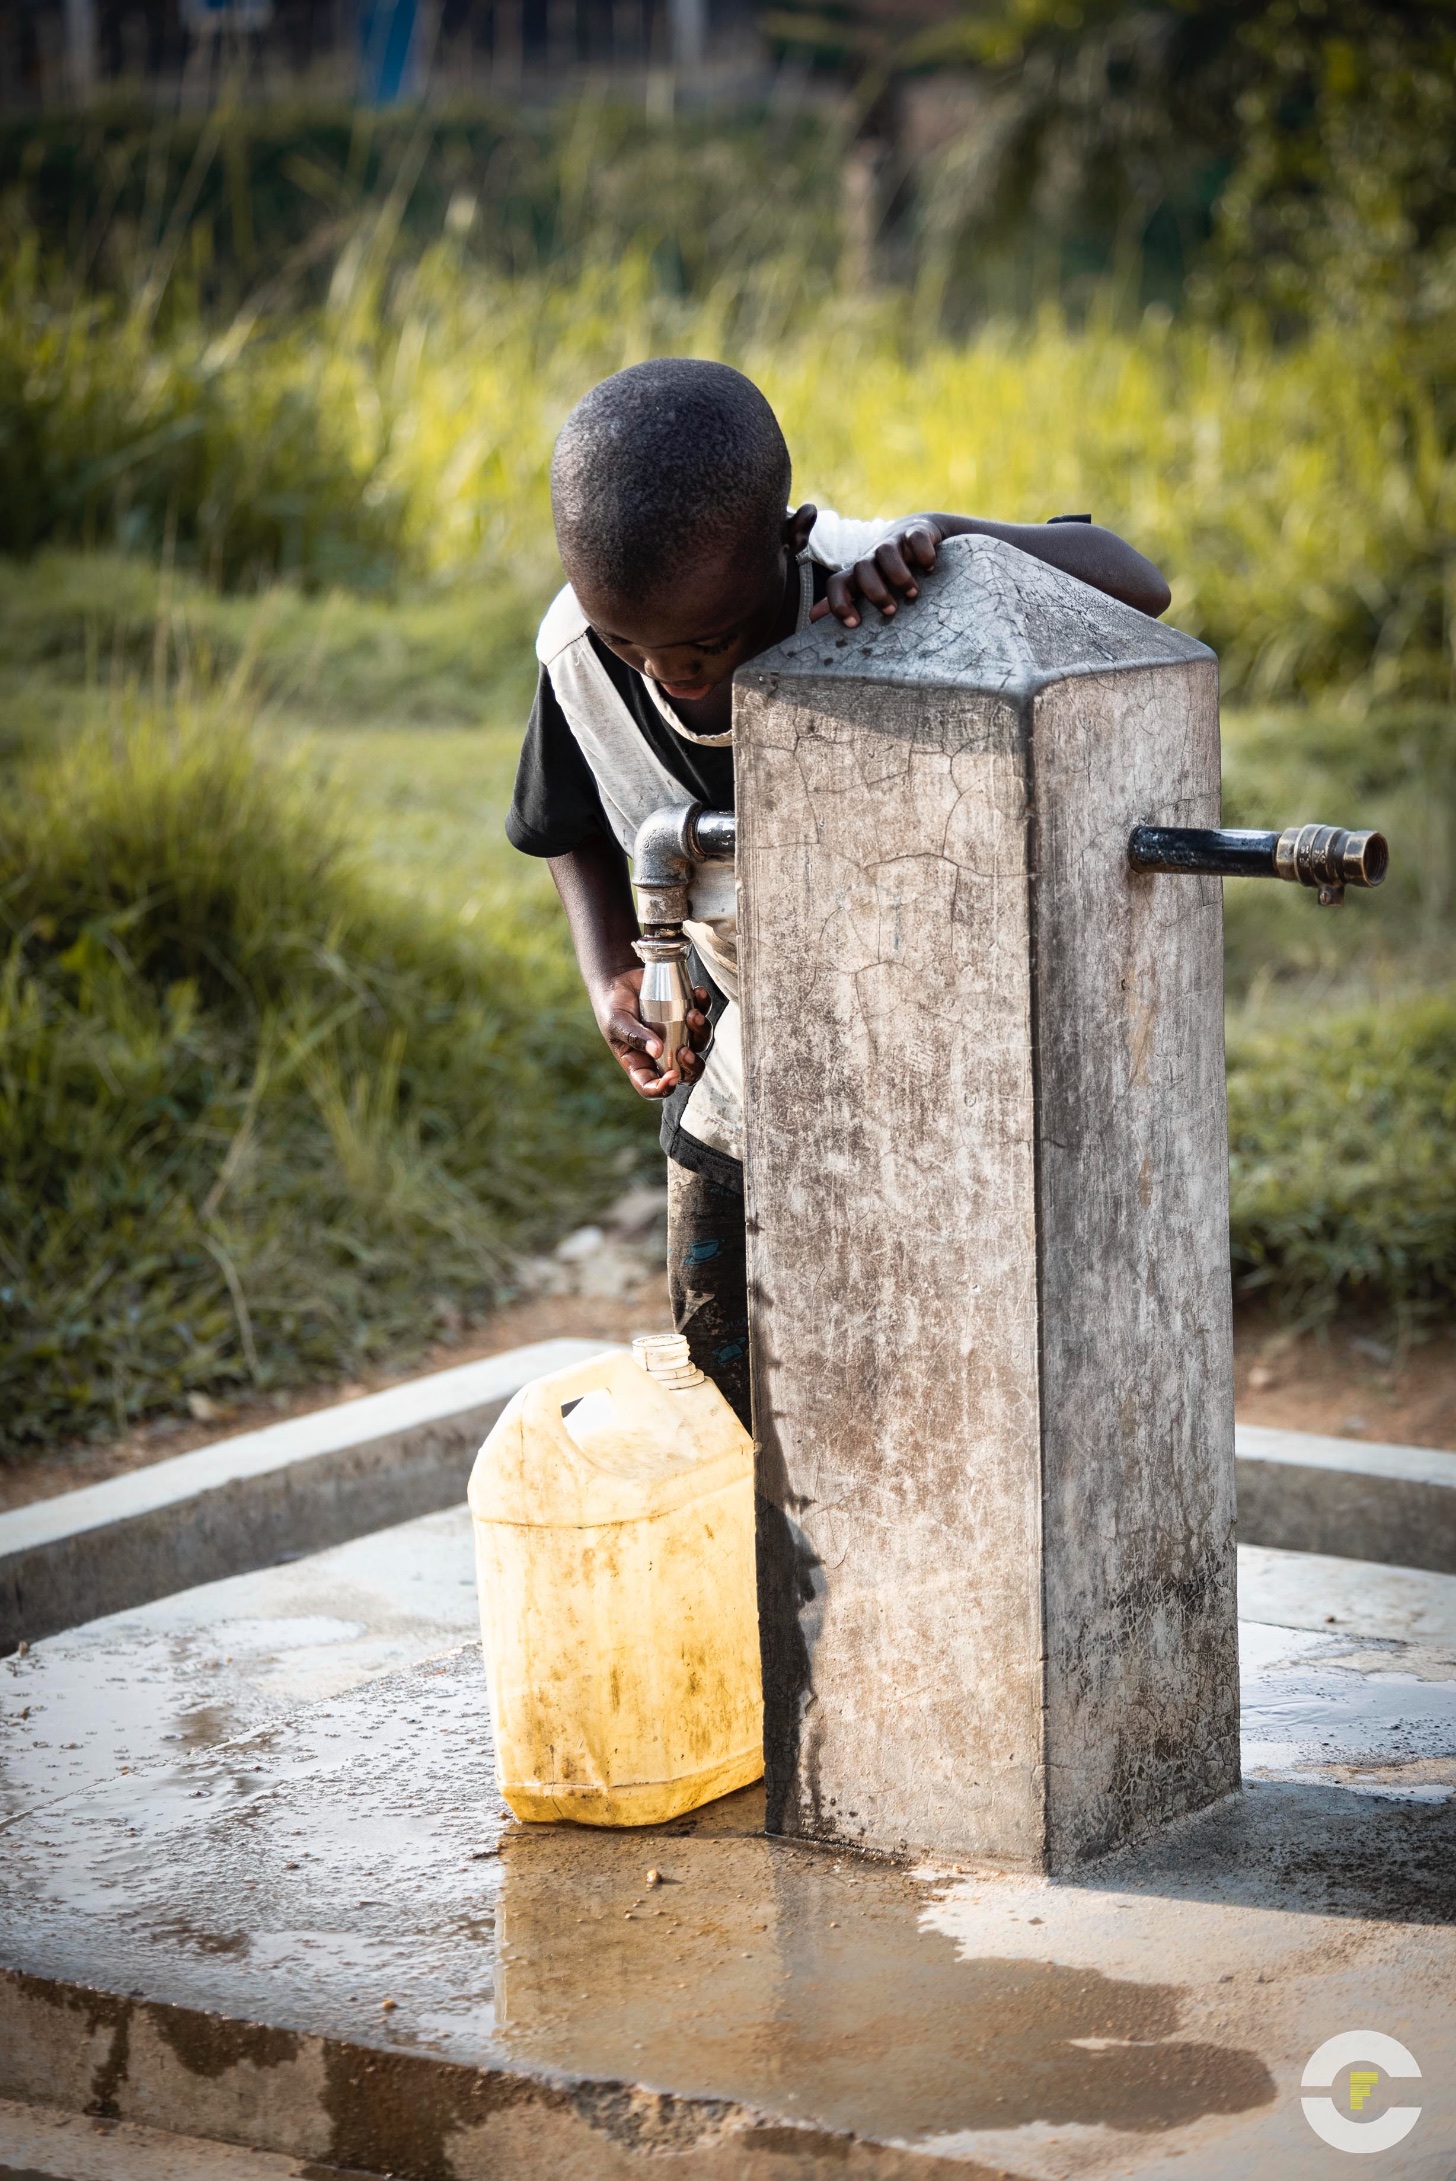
(718,612)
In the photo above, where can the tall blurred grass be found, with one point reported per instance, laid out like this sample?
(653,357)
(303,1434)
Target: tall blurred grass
(260,1118)
(1302,496)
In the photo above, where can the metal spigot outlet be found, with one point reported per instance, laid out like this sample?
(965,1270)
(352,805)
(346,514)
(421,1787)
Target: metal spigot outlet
(670,845)
(667,993)
(1326,858)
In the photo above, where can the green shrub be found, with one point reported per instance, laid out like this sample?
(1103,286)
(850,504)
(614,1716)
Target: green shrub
(258,1121)
(1390,767)
(1342,1140)
(109,430)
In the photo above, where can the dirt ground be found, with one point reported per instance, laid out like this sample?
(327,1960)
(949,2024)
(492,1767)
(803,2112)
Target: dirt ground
(1346,1383)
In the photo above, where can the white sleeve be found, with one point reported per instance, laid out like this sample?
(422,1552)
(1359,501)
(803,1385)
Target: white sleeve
(838,540)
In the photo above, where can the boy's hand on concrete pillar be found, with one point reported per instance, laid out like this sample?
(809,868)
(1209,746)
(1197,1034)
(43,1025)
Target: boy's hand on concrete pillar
(637,1046)
(890,574)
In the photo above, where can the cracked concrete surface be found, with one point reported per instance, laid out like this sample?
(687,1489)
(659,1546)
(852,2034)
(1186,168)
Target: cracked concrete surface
(987,1197)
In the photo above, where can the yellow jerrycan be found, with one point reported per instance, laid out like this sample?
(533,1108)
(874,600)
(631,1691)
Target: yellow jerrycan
(612,1508)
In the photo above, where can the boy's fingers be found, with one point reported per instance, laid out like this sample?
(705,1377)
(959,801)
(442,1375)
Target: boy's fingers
(639,1053)
(891,564)
(922,540)
(647,1076)
(871,585)
(840,599)
(817,613)
(625,1033)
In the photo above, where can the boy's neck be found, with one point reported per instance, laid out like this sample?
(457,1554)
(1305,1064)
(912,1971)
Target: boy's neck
(713,714)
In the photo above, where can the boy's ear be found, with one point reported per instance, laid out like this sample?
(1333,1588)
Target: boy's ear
(798,525)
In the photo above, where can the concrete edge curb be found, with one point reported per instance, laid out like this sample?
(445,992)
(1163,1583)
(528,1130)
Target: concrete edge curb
(245,1503)
(1353,1499)
(382,2110)
(319,1480)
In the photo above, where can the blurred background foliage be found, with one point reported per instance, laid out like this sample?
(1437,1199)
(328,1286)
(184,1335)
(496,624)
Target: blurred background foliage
(293,1064)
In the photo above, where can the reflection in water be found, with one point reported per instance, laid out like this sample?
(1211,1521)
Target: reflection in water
(766,1972)
(205,1725)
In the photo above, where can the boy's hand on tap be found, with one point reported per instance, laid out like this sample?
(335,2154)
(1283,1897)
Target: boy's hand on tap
(636,1044)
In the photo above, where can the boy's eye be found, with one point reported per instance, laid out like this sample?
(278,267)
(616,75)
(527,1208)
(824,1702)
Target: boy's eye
(705,650)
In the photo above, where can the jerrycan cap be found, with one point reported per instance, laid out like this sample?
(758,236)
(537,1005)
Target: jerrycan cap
(665,1357)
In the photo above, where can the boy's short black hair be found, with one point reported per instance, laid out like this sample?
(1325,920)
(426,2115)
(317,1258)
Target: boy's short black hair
(659,461)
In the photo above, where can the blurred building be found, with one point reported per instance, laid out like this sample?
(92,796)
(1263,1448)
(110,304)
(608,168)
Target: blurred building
(58,53)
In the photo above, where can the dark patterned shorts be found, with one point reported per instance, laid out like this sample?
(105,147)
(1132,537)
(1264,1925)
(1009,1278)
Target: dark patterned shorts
(707,1279)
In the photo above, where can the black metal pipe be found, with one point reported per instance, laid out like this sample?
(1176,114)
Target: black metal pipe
(1326,857)
(714,835)
(1227,853)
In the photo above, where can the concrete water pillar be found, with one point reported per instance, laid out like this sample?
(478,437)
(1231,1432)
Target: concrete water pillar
(988,1222)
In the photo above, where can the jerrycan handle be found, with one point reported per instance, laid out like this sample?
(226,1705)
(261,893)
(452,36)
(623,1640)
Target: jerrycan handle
(542,1401)
(663,1357)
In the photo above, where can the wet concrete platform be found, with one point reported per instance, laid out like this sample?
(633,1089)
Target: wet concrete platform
(255,1886)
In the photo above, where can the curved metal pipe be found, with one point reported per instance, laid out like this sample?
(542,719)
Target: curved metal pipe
(662,864)
(670,843)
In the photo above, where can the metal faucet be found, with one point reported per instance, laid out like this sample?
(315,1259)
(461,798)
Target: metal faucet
(1326,857)
(670,844)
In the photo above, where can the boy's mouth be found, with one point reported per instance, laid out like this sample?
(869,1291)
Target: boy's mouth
(686,692)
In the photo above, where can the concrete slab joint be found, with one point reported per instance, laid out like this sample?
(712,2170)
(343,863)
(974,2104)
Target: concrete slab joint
(987,1206)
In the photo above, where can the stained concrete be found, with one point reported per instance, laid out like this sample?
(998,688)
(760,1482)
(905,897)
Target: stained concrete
(1319,1590)
(244,1502)
(44,2144)
(197,1670)
(987,1213)
(205,1942)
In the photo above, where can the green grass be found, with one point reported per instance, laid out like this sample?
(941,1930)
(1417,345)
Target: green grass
(1393,767)
(269,1112)
(1342,1133)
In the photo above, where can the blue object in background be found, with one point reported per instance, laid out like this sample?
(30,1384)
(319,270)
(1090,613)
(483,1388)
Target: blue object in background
(386,42)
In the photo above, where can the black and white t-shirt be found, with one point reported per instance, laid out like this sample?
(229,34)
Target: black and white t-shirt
(602,751)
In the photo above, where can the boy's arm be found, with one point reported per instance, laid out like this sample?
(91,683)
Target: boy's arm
(592,883)
(1084,550)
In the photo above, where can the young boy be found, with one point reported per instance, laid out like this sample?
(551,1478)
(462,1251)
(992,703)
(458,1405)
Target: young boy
(670,491)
